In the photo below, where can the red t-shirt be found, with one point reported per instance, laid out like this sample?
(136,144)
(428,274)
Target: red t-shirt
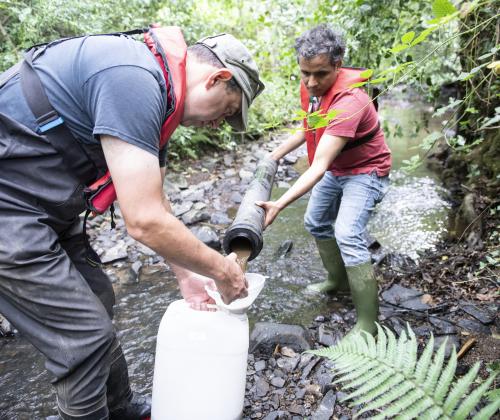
(357,120)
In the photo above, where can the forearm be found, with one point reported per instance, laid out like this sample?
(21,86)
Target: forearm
(290,144)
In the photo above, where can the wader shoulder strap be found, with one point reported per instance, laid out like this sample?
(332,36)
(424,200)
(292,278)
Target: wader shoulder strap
(9,74)
(51,125)
(362,140)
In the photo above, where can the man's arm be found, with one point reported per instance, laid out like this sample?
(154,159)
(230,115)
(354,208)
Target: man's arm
(328,149)
(294,141)
(138,182)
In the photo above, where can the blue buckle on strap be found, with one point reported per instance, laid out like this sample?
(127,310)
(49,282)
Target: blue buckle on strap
(51,124)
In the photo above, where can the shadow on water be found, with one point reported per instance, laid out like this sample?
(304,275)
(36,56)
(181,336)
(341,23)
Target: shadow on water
(411,218)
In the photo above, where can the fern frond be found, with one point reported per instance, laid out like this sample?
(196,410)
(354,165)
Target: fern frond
(446,378)
(435,369)
(386,375)
(488,411)
(460,389)
(424,362)
(471,401)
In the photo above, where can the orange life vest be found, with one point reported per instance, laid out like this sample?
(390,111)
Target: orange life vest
(169,48)
(345,78)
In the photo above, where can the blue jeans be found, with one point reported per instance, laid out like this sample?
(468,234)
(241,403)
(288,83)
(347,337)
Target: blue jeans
(340,207)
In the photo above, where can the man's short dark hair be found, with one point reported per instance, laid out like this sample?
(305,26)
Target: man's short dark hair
(321,40)
(204,55)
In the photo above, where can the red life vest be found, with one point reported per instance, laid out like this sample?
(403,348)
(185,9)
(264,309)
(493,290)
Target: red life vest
(345,78)
(169,48)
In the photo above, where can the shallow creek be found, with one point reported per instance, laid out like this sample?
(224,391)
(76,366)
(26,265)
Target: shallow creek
(412,217)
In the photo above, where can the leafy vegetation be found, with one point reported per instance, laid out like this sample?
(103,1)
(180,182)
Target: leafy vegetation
(415,43)
(387,376)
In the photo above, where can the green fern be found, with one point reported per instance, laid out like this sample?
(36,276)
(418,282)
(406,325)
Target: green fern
(388,377)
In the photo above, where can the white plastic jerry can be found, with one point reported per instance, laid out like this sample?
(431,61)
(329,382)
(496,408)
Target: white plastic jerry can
(200,366)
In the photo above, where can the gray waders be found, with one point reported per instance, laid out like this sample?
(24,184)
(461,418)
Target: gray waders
(48,291)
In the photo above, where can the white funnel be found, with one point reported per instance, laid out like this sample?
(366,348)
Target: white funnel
(240,306)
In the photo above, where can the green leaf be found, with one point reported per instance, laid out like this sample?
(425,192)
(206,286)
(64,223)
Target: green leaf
(366,73)
(423,35)
(399,48)
(408,37)
(442,8)
(357,84)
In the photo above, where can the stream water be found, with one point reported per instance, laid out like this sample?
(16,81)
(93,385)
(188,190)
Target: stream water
(412,217)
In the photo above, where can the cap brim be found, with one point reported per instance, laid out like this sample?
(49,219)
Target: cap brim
(239,121)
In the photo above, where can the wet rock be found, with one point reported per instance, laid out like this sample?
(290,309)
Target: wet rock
(473,326)
(206,235)
(116,253)
(143,249)
(236,197)
(266,335)
(308,369)
(305,359)
(290,159)
(442,326)
(288,352)
(283,184)
(273,415)
(136,266)
(195,216)
(260,365)
(220,218)
(278,382)
(245,175)
(182,208)
(481,314)
(192,195)
(261,387)
(6,328)
(423,331)
(451,341)
(170,189)
(284,249)
(326,336)
(178,180)
(288,364)
(228,173)
(404,297)
(199,206)
(126,276)
(326,407)
(396,324)
(296,409)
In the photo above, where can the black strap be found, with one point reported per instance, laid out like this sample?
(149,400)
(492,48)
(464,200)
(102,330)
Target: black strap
(362,140)
(52,125)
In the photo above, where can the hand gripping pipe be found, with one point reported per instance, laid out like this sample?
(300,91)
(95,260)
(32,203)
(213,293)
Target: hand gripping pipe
(248,224)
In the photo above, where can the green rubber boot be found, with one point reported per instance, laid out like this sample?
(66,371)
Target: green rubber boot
(332,261)
(364,296)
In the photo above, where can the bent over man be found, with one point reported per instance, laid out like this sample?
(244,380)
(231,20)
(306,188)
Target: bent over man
(349,166)
(83,121)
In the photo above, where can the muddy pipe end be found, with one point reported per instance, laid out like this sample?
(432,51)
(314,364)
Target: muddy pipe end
(238,235)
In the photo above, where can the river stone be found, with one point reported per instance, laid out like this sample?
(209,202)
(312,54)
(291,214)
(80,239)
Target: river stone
(193,195)
(178,180)
(245,175)
(266,335)
(228,173)
(236,197)
(481,314)
(284,249)
(220,218)
(126,276)
(136,266)
(260,365)
(5,327)
(170,189)
(116,253)
(442,326)
(199,206)
(290,159)
(182,208)
(288,364)
(278,382)
(404,297)
(195,216)
(307,370)
(143,249)
(273,415)
(326,336)
(473,326)
(326,407)
(261,387)
(206,235)
(451,341)
(283,184)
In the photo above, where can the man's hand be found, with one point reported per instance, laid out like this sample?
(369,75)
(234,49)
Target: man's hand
(272,209)
(234,284)
(193,291)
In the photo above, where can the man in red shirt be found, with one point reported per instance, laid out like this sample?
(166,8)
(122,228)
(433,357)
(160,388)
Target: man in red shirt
(349,166)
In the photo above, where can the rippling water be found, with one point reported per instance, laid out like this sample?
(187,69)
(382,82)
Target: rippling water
(412,217)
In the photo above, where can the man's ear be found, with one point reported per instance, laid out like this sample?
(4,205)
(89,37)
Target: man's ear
(339,64)
(220,75)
